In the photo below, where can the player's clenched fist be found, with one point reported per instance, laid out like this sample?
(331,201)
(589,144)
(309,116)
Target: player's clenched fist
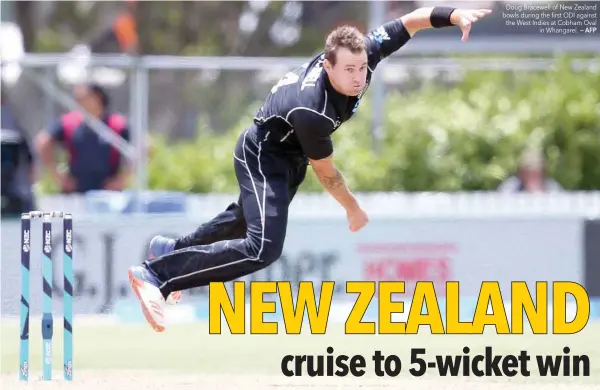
(357,219)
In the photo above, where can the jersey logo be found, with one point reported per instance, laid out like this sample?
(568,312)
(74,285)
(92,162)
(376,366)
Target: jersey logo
(311,78)
(380,35)
(309,81)
(289,78)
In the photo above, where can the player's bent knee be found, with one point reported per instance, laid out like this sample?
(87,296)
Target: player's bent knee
(264,249)
(270,252)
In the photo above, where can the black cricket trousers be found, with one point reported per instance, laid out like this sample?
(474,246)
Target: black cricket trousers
(247,236)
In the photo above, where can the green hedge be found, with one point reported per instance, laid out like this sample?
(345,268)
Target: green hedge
(465,137)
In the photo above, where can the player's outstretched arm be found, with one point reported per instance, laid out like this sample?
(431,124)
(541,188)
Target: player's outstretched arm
(391,36)
(438,17)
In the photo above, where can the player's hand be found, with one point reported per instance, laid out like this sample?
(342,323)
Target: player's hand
(464,18)
(115,183)
(67,183)
(357,219)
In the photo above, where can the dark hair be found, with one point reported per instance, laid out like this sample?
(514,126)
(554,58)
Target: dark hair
(344,36)
(100,92)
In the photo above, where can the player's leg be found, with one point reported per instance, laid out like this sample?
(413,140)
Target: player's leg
(263,180)
(296,173)
(227,225)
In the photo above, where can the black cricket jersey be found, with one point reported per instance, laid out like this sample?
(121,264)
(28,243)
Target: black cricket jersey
(303,109)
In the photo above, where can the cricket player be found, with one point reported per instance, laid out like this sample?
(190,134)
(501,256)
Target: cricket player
(290,131)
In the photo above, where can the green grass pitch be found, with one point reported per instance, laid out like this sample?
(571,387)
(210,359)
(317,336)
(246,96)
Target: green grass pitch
(190,347)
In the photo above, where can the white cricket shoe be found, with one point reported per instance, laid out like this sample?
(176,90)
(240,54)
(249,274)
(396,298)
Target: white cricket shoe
(145,287)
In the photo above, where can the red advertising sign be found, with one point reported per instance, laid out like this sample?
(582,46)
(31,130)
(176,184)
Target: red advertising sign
(409,263)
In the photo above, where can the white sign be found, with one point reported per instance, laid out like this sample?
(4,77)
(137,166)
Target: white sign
(467,250)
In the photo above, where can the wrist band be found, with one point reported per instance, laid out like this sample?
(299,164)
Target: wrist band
(440,17)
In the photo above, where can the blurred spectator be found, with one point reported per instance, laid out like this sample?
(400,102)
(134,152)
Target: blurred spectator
(531,175)
(121,36)
(17,164)
(93,163)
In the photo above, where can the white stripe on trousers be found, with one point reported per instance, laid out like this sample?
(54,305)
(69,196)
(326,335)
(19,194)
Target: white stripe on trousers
(260,210)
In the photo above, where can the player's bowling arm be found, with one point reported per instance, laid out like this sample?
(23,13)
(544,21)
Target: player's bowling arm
(333,181)
(391,36)
(418,19)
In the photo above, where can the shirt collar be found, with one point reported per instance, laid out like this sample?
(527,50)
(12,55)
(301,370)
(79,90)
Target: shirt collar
(338,100)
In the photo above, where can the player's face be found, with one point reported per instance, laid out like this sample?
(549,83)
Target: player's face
(86,99)
(349,74)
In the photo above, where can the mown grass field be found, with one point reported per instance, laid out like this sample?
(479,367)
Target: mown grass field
(187,356)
